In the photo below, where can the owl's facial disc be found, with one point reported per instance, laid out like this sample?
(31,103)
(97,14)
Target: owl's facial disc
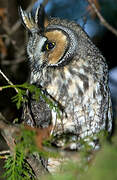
(50,44)
(58,45)
(47,49)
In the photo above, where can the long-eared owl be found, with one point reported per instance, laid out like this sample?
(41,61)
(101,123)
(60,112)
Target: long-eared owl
(72,72)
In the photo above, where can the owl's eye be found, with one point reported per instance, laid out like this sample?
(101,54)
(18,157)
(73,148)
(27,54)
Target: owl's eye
(48,46)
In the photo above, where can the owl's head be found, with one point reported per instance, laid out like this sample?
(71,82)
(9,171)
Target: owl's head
(53,42)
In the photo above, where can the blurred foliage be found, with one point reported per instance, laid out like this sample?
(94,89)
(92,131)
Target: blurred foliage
(90,165)
(102,166)
(105,165)
(15,164)
(21,96)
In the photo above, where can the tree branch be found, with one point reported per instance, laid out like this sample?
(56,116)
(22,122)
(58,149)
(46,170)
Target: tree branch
(7,62)
(6,78)
(102,20)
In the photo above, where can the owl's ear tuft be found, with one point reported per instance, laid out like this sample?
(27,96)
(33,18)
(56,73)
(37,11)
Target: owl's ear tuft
(41,18)
(27,19)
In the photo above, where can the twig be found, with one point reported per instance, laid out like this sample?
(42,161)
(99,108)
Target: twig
(9,132)
(102,20)
(9,62)
(3,36)
(18,23)
(6,78)
(16,26)
(4,152)
(45,2)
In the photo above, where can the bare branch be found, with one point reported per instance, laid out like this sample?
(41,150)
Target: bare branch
(102,20)
(45,2)
(18,23)
(6,78)
(4,152)
(9,62)
(8,131)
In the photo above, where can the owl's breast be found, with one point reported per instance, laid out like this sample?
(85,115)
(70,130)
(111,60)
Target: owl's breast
(69,82)
(84,100)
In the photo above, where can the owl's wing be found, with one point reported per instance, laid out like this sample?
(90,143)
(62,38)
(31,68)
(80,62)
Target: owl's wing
(37,113)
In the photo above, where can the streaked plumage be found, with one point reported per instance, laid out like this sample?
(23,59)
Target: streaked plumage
(73,73)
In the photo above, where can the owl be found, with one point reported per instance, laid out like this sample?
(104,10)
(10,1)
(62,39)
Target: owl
(73,74)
